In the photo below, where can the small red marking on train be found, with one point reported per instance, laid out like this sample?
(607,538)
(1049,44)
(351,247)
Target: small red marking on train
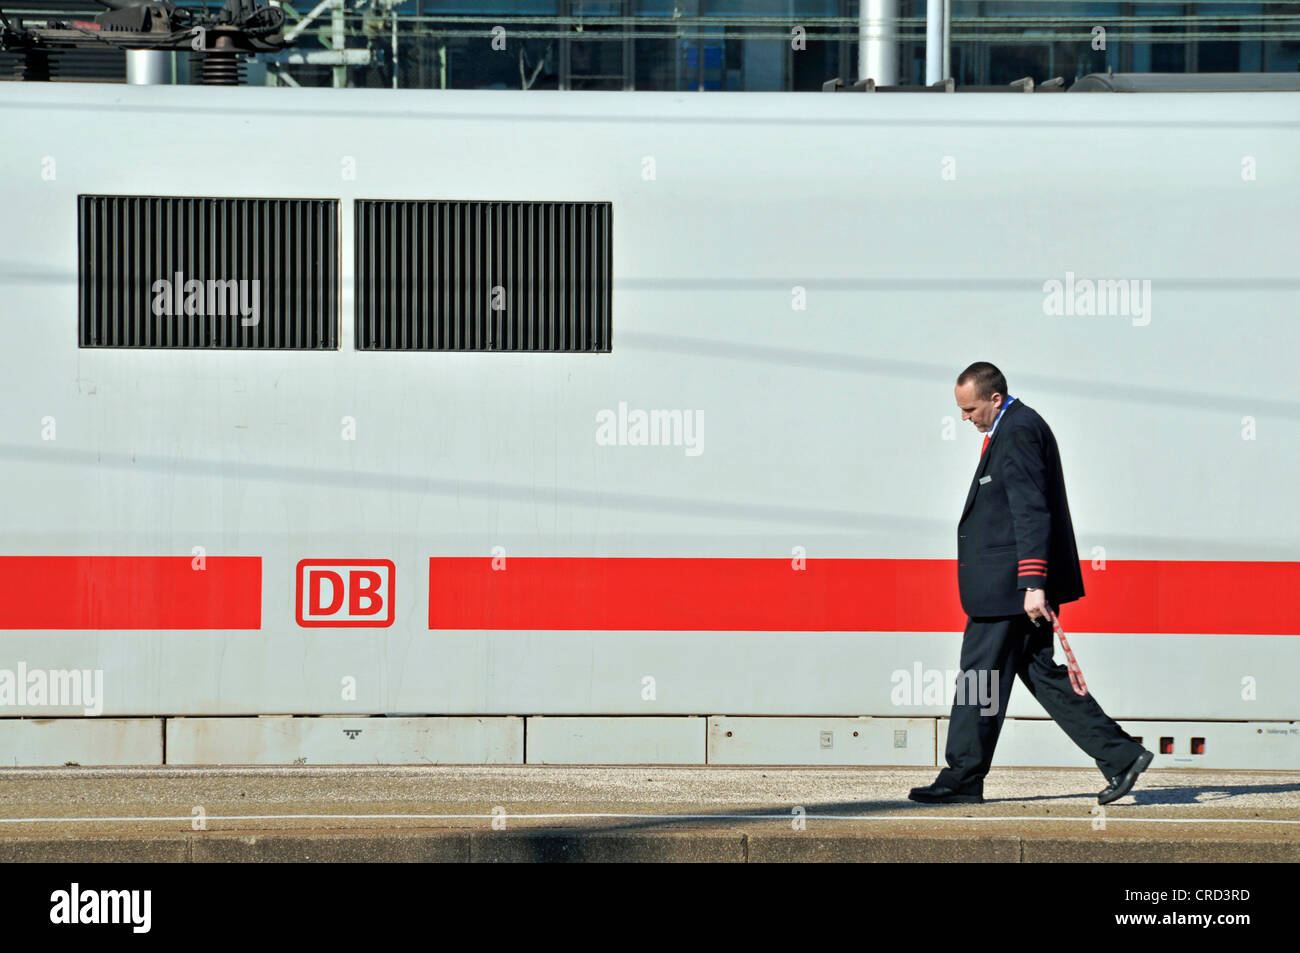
(345,592)
(835,595)
(130,592)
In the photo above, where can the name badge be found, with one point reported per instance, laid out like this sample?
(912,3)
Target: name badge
(987,479)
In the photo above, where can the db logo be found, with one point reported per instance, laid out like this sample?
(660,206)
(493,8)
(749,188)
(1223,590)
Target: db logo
(351,592)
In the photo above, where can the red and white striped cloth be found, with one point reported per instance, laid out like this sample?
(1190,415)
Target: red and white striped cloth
(1076,673)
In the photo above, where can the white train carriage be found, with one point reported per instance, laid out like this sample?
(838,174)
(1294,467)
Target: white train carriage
(627,419)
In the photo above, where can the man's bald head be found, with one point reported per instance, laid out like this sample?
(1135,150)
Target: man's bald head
(980,393)
(988,380)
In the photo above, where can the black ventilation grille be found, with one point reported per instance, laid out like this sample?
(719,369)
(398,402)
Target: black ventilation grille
(483,276)
(289,247)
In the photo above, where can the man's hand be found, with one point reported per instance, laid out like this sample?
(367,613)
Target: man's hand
(1036,604)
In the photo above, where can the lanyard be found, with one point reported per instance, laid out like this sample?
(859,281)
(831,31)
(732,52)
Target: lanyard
(1076,673)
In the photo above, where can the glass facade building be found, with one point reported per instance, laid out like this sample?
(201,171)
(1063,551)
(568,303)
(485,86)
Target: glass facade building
(756,45)
(771,45)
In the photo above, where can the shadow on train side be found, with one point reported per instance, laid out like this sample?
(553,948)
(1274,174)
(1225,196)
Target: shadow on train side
(848,363)
(940,373)
(1159,546)
(447,486)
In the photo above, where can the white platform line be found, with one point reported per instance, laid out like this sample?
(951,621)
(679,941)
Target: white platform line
(661,817)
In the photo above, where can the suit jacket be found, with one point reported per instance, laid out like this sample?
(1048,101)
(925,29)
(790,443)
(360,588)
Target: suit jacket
(1015,530)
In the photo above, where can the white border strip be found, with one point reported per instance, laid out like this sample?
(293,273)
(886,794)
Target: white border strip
(663,817)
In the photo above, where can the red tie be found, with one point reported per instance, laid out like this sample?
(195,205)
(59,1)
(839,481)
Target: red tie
(984,446)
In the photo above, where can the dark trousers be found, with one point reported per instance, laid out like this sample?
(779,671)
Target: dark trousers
(998,650)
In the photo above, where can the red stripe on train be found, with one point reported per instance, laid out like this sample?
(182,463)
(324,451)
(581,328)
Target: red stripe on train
(850,595)
(130,592)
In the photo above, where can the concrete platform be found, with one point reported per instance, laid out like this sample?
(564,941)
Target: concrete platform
(632,813)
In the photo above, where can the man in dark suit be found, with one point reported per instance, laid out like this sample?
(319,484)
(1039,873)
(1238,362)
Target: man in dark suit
(1016,557)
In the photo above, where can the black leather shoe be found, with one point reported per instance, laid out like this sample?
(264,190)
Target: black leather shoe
(942,794)
(1122,784)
